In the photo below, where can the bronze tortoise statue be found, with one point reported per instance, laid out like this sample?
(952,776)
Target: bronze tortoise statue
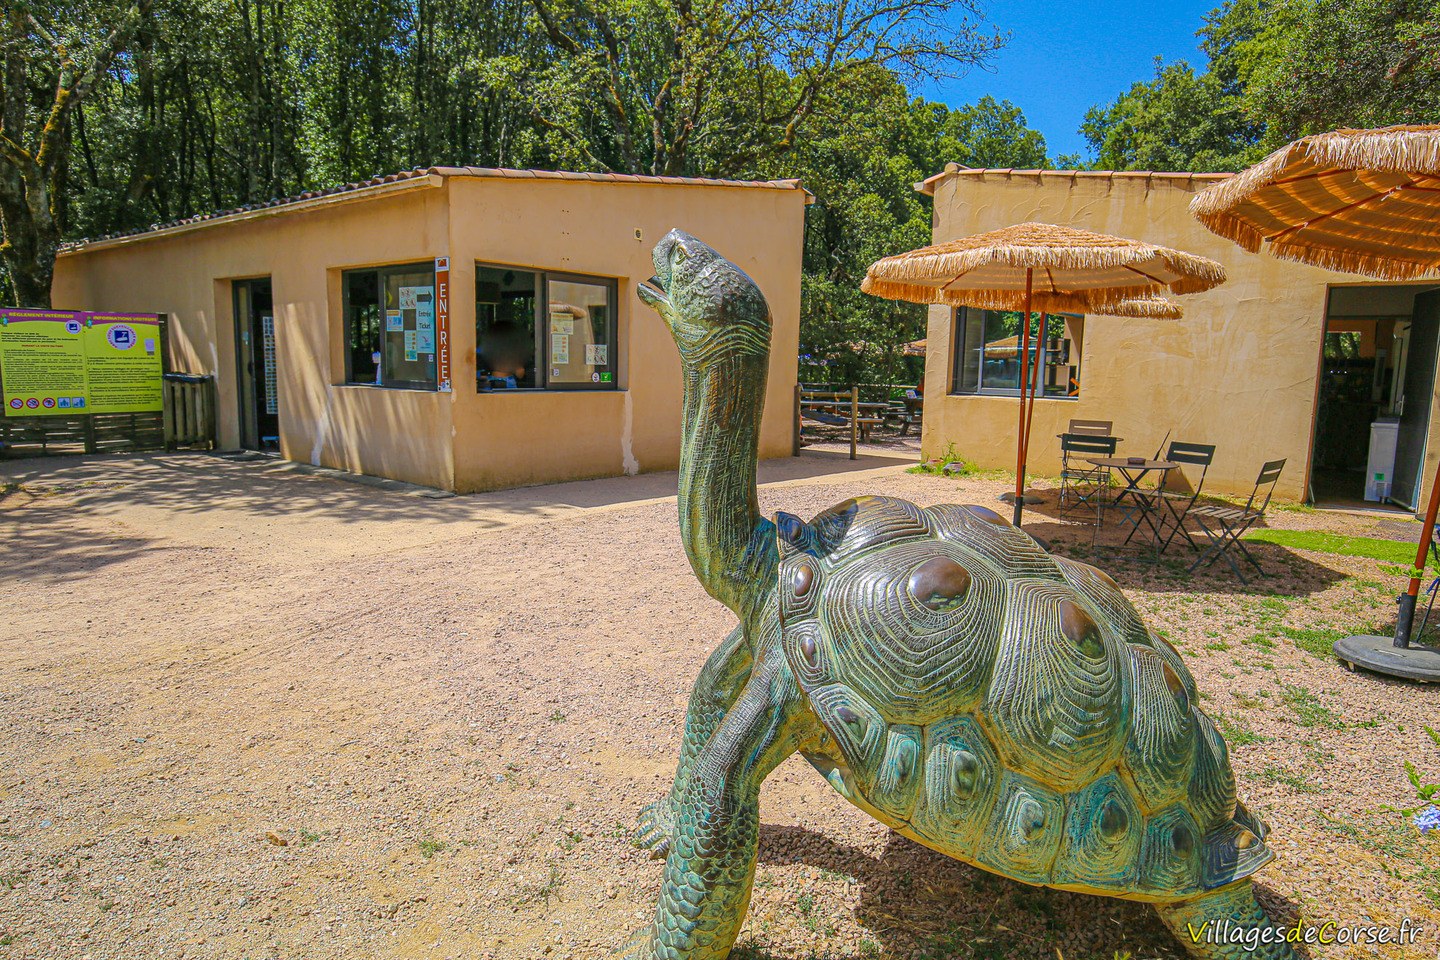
(945,674)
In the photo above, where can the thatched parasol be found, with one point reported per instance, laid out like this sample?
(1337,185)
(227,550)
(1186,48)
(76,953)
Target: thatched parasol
(1144,308)
(1363,201)
(1367,202)
(1038,266)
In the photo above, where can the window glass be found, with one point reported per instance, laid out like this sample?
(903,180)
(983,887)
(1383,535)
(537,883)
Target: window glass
(362,326)
(505,329)
(390,326)
(563,339)
(988,346)
(579,315)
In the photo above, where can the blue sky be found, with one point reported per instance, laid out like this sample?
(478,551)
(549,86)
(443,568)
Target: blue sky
(1065,56)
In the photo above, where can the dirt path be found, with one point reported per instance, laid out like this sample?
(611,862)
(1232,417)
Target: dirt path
(253,713)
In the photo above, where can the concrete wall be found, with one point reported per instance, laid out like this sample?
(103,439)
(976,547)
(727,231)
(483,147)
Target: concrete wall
(591,228)
(461,440)
(1239,371)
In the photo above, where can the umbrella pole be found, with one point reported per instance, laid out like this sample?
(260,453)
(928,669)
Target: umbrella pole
(1024,386)
(1406,617)
(1034,386)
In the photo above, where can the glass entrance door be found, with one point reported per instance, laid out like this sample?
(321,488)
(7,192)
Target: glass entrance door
(257,365)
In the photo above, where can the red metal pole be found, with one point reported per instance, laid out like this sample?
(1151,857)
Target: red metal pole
(1034,387)
(1406,617)
(1024,385)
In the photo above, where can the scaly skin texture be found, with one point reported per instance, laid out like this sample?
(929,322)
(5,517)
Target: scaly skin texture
(711,863)
(941,670)
(718,687)
(1191,920)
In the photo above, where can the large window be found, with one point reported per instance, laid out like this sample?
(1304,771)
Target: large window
(540,330)
(987,353)
(390,326)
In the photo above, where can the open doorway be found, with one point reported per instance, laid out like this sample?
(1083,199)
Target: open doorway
(1377,380)
(256,360)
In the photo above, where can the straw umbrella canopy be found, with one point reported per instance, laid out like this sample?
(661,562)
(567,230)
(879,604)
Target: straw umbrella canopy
(1366,202)
(1144,308)
(1362,201)
(1038,266)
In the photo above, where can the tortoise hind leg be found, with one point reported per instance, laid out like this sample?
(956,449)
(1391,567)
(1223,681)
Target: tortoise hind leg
(1226,924)
(711,863)
(715,692)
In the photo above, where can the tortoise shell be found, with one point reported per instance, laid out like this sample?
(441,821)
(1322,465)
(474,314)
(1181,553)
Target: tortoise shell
(1005,706)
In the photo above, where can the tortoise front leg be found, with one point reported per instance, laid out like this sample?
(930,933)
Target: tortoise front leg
(715,692)
(711,863)
(1200,924)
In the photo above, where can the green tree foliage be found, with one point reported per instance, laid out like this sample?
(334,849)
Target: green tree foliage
(51,65)
(863,177)
(1277,70)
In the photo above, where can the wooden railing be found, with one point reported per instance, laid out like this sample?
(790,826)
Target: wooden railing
(189,411)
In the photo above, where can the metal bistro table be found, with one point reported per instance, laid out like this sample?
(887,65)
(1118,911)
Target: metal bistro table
(1144,505)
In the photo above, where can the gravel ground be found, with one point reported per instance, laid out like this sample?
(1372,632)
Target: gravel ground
(255,713)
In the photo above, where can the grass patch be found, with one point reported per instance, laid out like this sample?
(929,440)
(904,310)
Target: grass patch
(1236,732)
(1317,642)
(935,467)
(428,848)
(1387,551)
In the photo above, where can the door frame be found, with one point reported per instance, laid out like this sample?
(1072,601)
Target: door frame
(247,397)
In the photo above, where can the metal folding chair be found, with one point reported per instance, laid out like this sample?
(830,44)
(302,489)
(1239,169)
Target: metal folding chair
(1083,482)
(1178,504)
(1225,525)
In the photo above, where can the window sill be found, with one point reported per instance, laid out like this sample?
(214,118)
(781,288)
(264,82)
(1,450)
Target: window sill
(1010,396)
(384,386)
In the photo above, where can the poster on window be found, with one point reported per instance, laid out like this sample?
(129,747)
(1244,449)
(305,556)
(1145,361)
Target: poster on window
(560,349)
(408,296)
(425,340)
(597,354)
(394,321)
(410,351)
(562,323)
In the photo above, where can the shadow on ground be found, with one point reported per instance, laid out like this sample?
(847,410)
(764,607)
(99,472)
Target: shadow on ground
(916,903)
(1136,564)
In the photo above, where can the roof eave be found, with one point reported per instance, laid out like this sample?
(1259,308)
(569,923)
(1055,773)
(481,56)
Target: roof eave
(429,180)
(929,184)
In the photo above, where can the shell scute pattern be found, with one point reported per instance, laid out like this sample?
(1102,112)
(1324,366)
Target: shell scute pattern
(1104,829)
(1026,831)
(1010,551)
(962,782)
(920,658)
(1159,752)
(1005,706)
(1170,853)
(1059,700)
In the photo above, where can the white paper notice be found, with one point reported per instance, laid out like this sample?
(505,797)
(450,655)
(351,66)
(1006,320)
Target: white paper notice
(597,354)
(408,296)
(394,320)
(560,348)
(562,323)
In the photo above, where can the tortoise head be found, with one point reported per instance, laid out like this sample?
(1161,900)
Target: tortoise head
(711,306)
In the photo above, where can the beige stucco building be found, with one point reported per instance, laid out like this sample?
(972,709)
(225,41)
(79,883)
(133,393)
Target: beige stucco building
(325,318)
(1282,361)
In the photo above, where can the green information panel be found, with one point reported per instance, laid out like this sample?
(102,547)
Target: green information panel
(122,363)
(59,363)
(42,363)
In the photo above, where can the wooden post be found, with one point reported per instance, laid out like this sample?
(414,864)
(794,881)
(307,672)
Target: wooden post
(854,420)
(795,440)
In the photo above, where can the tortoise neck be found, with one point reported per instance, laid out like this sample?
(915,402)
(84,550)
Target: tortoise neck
(730,548)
